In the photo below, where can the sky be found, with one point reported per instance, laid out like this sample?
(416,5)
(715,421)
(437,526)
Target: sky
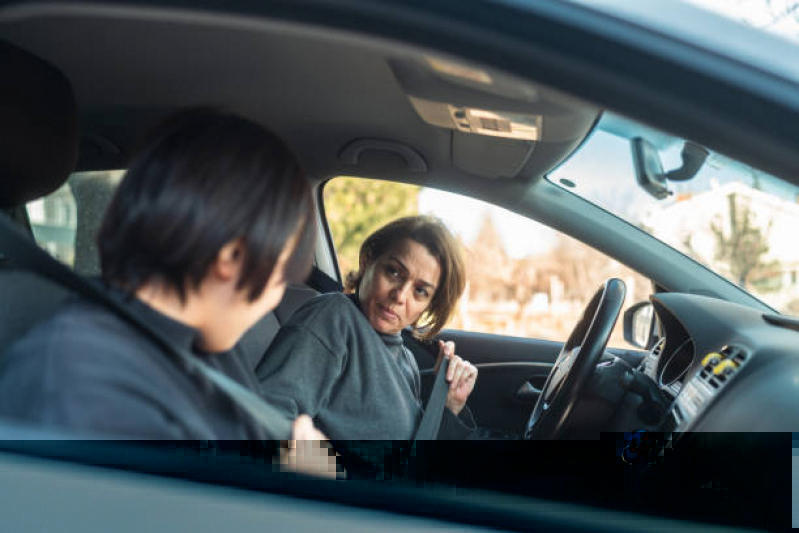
(464,216)
(774,16)
(608,152)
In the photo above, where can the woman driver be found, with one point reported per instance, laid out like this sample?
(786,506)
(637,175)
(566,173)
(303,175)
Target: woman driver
(341,358)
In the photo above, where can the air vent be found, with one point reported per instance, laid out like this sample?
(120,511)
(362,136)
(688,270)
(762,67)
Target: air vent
(651,361)
(740,357)
(658,349)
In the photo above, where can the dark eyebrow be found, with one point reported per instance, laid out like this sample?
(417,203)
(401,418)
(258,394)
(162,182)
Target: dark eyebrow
(405,268)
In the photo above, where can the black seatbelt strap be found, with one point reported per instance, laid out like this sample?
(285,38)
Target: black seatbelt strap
(17,251)
(431,420)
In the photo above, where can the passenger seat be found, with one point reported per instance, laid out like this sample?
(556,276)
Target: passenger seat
(260,336)
(38,150)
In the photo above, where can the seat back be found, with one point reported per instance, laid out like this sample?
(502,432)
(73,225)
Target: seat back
(38,149)
(258,338)
(38,127)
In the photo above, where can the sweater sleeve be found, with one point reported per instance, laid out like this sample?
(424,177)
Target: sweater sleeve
(460,427)
(298,372)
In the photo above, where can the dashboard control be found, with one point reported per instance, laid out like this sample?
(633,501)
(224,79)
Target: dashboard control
(716,371)
(712,359)
(726,367)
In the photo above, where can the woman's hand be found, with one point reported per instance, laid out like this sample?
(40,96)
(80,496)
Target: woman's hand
(309,452)
(461,376)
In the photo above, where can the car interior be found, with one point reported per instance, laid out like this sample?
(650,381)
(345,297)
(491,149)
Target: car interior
(350,103)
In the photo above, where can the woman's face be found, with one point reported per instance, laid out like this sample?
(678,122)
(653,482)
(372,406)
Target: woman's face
(397,287)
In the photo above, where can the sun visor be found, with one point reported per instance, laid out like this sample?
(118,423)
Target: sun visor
(497,121)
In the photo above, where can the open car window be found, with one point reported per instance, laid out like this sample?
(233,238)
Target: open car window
(65,222)
(523,278)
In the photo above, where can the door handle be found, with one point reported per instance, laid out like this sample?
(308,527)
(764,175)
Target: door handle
(527,393)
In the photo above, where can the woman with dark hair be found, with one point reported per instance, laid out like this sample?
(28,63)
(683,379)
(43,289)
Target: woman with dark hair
(341,358)
(211,220)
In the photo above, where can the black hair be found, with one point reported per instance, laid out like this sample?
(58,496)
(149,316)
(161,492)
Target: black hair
(205,178)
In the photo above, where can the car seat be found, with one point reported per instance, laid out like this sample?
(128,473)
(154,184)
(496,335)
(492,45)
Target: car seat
(38,149)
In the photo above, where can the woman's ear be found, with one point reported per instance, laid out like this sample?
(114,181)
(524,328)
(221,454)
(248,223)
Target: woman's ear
(229,260)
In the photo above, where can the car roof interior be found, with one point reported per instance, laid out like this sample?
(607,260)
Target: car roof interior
(346,104)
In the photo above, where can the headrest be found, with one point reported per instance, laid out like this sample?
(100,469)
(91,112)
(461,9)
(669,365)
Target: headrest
(38,127)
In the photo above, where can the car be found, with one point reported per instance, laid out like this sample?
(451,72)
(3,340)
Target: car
(565,113)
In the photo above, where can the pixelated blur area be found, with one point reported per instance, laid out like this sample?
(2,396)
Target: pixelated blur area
(643,448)
(794,479)
(310,457)
(376,460)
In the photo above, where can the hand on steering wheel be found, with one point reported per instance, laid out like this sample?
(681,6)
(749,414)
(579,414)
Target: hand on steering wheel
(576,362)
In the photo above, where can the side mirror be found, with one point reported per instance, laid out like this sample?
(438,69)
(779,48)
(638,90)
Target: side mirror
(638,322)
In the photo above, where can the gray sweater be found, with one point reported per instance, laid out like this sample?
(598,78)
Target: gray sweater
(328,362)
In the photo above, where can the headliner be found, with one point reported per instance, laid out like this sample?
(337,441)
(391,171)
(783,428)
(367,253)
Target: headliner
(318,89)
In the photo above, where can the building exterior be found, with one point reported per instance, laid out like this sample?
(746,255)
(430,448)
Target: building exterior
(747,235)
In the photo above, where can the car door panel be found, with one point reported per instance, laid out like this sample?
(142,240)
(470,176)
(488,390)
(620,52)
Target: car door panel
(511,373)
(480,348)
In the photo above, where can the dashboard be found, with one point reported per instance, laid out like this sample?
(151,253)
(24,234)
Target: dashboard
(725,367)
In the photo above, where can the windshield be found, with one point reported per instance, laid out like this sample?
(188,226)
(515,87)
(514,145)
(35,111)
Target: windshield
(777,17)
(732,218)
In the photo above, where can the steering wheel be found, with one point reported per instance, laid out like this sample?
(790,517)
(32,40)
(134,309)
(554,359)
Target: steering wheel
(576,362)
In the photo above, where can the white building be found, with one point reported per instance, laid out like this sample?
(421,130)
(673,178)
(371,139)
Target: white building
(688,222)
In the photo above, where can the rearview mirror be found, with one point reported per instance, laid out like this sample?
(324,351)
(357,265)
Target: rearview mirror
(649,169)
(638,324)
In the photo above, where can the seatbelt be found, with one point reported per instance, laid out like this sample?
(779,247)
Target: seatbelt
(17,251)
(431,419)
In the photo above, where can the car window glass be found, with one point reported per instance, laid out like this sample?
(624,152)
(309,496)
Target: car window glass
(523,278)
(734,219)
(65,222)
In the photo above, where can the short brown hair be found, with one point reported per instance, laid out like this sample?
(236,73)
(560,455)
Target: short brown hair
(431,233)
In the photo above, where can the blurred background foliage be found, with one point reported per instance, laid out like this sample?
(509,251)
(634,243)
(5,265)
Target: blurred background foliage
(356,207)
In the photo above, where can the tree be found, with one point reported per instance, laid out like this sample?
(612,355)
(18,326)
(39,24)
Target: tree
(496,277)
(526,281)
(489,268)
(581,268)
(744,245)
(355,207)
